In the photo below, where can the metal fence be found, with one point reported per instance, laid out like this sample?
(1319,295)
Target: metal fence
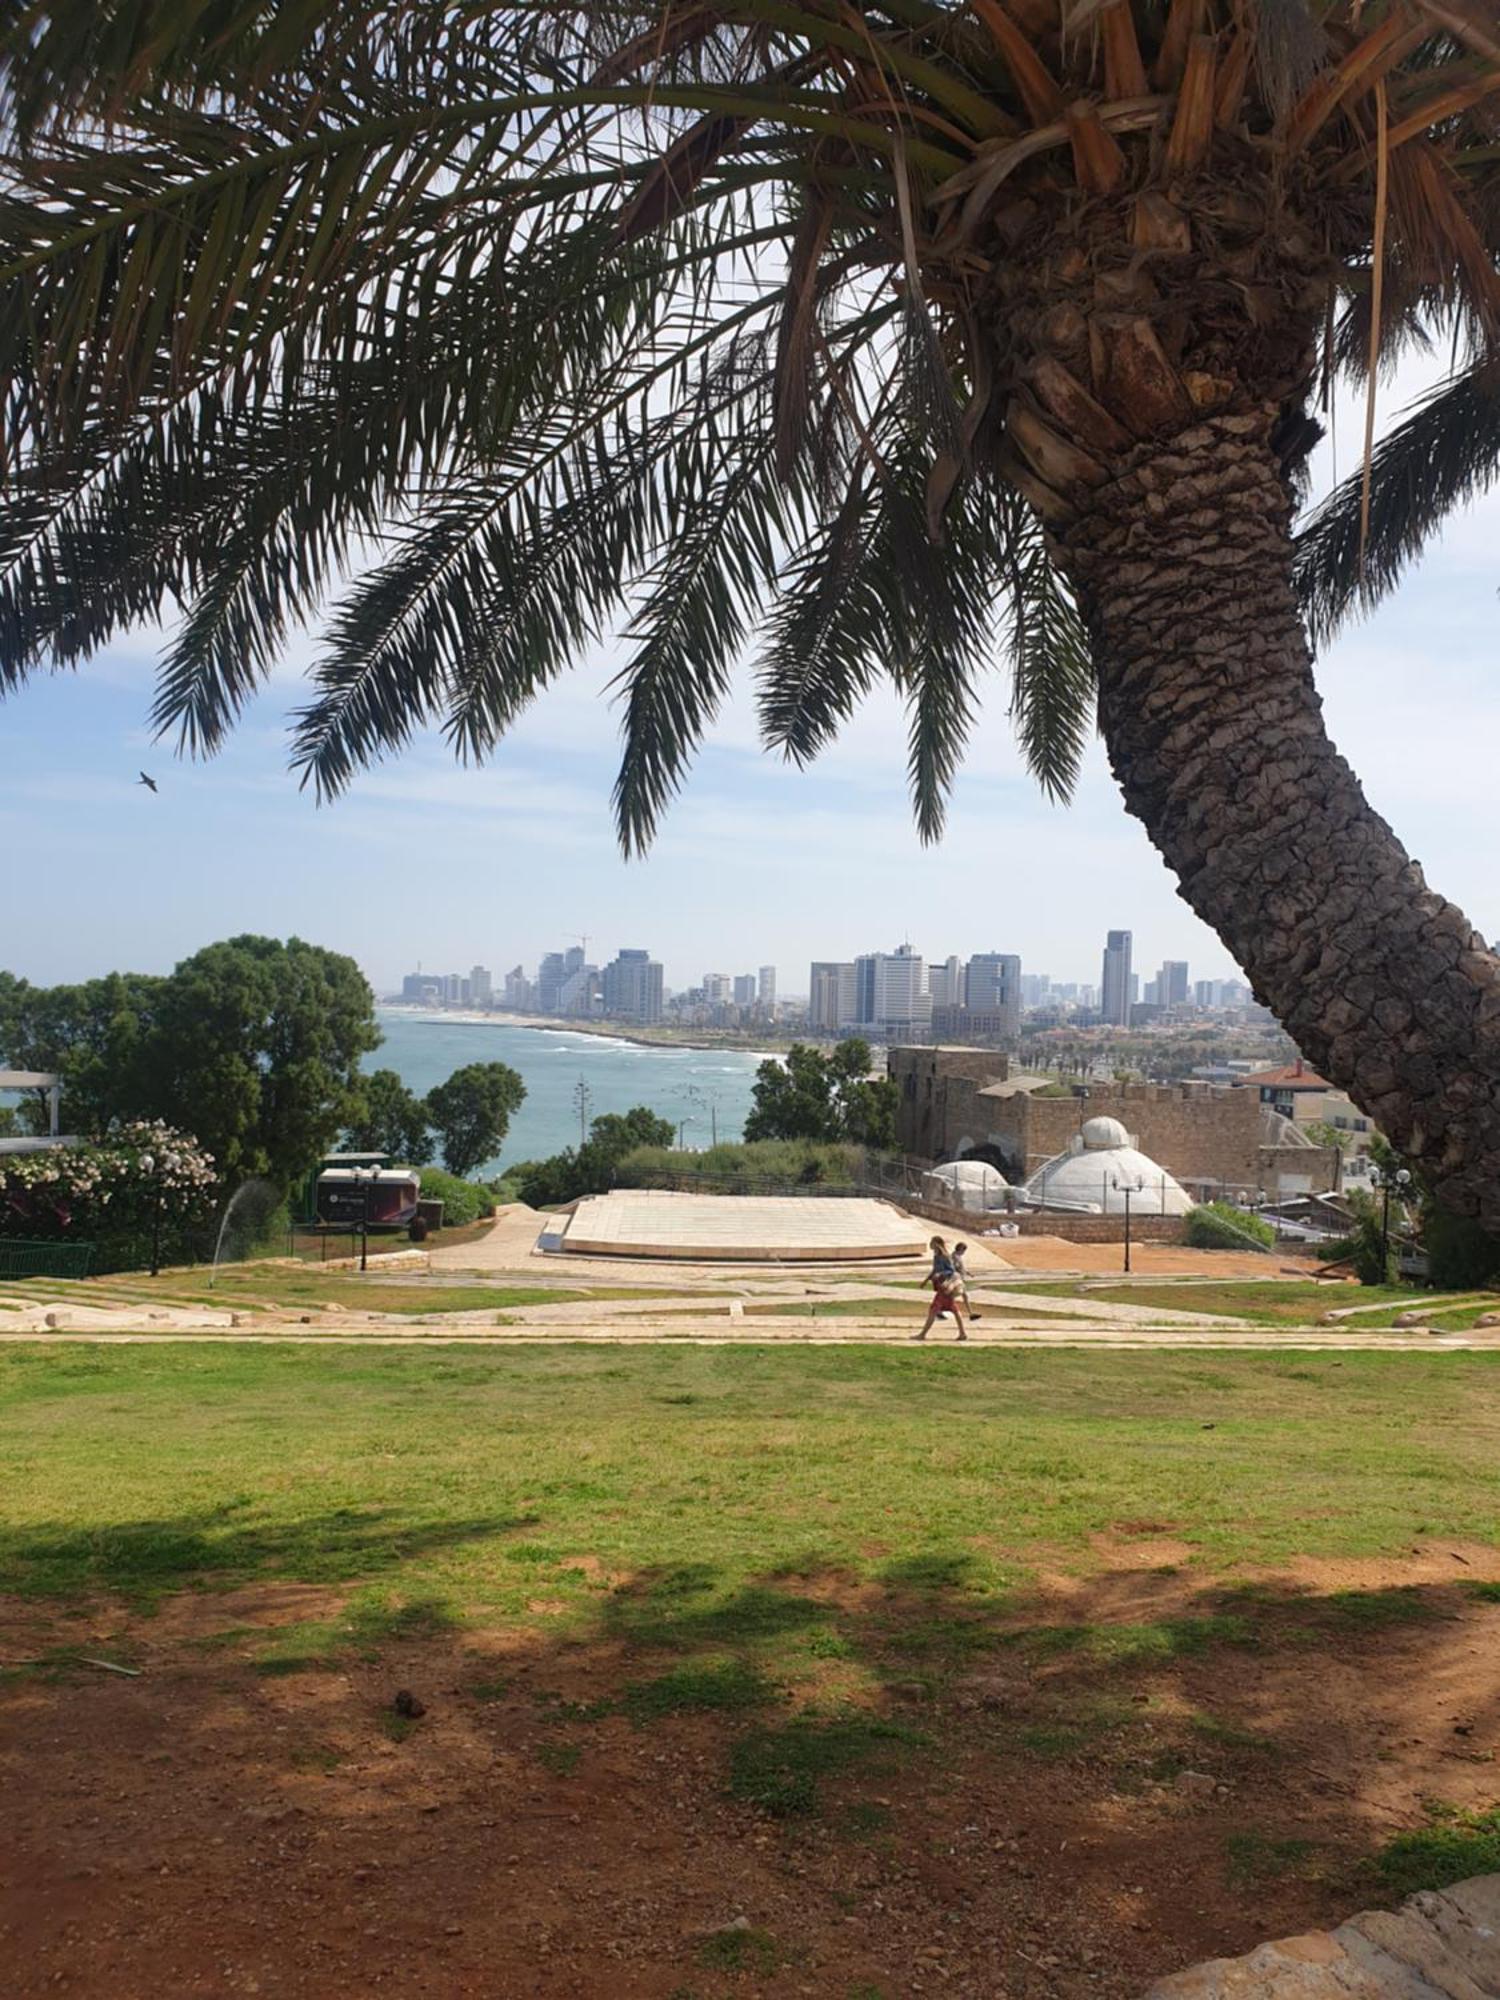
(44,1260)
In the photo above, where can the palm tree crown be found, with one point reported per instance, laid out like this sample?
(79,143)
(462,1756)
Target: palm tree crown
(728,324)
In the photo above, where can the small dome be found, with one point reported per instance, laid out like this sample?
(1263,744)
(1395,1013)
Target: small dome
(968,1184)
(1104,1135)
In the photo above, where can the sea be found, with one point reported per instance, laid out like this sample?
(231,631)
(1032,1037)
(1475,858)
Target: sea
(698,1089)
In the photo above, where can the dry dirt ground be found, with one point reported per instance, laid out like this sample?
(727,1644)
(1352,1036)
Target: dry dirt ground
(1048,1824)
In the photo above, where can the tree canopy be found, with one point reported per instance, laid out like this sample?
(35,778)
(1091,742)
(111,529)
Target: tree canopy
(809,1095)
(252,1045)
(391,1119)
(471,1113)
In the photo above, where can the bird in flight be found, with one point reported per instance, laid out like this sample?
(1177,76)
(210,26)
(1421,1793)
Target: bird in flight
(150,782)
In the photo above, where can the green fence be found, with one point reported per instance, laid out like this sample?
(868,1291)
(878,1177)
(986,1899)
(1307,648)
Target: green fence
(44,1260)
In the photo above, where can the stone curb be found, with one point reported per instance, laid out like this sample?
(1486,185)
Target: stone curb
(1440,1945)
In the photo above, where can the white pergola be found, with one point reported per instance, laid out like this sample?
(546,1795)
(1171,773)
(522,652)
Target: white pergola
(36,1079)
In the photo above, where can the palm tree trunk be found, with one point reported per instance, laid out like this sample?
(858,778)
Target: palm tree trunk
(1183,564)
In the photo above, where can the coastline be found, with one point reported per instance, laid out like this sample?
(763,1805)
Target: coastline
(547,1024)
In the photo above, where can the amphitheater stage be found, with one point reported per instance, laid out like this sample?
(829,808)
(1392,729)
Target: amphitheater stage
(739,1229)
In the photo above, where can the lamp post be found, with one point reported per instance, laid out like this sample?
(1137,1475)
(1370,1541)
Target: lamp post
(682,1125)
(365,1175)
(156,1214)
(1127,1188)
(1385,1180)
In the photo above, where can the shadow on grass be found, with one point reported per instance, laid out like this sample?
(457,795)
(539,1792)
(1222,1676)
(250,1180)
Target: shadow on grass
(231,1544)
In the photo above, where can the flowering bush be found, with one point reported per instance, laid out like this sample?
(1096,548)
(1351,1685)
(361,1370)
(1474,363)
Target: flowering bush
(113,1193)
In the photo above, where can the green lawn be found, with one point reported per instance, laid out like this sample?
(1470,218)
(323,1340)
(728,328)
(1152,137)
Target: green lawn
(714,1478)
(1276,1302)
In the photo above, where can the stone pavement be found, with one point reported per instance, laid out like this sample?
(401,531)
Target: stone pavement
(1441,1945)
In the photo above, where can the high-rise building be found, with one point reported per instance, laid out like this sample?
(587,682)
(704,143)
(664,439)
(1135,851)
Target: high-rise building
(1036,989)
(550,975)
(578,991)
(481,987)
(890,991)
(744,989)
(830,994)
(1115,984)
(993,987)
(1172,983)
(520,992)
(632,987)
(767,995)
(1203,993)
(945,982)
(717,987)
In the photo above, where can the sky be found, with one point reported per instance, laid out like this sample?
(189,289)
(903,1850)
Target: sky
(758,863)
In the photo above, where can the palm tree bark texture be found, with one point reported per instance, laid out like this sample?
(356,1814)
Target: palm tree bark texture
(1183,566)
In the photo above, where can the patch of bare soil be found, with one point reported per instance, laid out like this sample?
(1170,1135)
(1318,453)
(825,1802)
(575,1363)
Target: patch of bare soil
(1084,1814)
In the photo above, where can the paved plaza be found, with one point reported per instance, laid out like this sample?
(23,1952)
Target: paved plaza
(645,1222)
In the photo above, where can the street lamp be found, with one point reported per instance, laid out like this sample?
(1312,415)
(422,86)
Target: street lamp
(1385,1179)
(1128,1188)
(682,1125)
(153,1162)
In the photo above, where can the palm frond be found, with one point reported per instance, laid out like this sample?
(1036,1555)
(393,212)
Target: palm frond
(1444,455)
(1052,672)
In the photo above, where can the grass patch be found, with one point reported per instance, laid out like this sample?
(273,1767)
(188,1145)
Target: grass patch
(1456,1844)
(1162,1639)
(1229,1735)
(723,1685)
(1254,1857)
(780,1770)
(135,1472)
(741,1949)
(362,1631)
(561,1759)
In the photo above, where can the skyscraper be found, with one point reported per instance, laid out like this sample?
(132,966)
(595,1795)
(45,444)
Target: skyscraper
(993,988)
(632,983)
(945,982)
(1172,982)
(890,991)
(768,989)
(744,989)
(481,987)
(830,994)
(1114,985)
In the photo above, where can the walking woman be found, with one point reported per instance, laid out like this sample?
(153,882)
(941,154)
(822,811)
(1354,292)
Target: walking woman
(947,1290)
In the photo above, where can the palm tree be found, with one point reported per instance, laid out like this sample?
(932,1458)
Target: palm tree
(885,339)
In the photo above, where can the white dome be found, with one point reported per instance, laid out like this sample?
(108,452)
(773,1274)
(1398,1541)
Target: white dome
(1095,1178)
(1100,1133)
(971,1183)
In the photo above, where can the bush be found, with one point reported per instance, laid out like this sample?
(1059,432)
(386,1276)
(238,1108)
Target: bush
(463,1201)
(1373,1259)
(144,1183)
(1219,1225)
(1460,1255)
(792,1162)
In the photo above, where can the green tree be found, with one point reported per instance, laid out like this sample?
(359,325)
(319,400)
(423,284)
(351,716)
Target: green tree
(93,1036)
(615,1133)
(390,1119)
(471,1113)
(255,1047)
(886,337)
(252,1045)
(590,1168)
(829,1097)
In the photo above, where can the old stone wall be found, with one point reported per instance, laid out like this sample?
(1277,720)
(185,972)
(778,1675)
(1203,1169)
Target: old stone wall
(936,1090)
